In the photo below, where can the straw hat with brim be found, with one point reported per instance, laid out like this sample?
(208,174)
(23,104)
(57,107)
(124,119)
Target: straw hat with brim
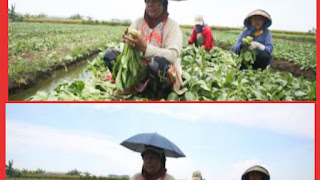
(258,12)
(262,170)
(196,175)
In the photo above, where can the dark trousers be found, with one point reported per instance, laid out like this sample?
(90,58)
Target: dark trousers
(158,75)
(263,59)
(110,57)
(157,72)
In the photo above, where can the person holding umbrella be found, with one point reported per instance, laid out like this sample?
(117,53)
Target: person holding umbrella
(256,173)
(154,149)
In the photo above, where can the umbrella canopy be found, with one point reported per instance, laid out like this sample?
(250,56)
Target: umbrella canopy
(138,142)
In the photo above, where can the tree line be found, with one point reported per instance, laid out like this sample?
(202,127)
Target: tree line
(14,16)
(40,173)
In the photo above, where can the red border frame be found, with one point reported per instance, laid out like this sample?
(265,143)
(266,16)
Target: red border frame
(316,159)
(4,88)
(317,106)
(3,80)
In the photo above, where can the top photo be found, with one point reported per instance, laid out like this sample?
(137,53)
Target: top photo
(162,50)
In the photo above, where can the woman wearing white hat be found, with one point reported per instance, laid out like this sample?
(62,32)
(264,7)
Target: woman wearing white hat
(196,175)
(201,34)
(257,23)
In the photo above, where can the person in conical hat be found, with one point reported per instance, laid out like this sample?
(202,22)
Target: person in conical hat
(201,34)
(257,23)
(256,173)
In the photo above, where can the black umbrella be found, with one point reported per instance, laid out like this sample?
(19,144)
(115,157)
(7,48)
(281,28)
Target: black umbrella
(138,142)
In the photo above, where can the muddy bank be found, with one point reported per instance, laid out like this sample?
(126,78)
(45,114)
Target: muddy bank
(15,87)
(294,69)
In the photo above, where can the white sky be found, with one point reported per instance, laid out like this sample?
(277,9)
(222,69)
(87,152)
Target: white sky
(293,15)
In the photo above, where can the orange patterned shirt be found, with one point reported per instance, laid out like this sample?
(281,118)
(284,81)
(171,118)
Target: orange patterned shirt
(152,36)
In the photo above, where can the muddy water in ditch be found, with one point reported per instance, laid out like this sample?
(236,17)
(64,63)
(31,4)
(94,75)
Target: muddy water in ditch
(75,71)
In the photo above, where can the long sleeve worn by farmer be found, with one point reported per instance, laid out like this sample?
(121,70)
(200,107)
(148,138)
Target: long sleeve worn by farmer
(161,44)
(257,23)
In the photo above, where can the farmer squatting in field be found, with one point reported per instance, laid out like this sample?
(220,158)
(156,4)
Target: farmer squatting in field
(257,23)
(201,34)
(160,43)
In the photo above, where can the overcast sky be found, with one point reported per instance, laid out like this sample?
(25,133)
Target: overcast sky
(294,15)
(221,140)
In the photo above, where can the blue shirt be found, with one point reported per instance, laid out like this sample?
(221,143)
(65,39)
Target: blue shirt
(265,39)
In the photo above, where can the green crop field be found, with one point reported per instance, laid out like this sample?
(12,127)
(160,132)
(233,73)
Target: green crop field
(300,52)
(52,178)
(29,179)
(42,178)
(36,48)
(39,48)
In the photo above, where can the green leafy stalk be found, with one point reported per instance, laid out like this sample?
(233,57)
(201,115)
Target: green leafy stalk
(128,67)
(247,57)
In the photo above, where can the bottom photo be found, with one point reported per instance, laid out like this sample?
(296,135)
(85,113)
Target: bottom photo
(163,141)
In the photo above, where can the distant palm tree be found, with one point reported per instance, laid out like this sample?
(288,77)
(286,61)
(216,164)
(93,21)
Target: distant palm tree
(9,169)
(12,12)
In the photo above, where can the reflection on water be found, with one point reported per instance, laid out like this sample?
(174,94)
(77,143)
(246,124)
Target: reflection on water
(76,71)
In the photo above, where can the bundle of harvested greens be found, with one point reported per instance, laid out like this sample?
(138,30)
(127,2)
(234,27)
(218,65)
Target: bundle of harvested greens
(128,67)
(247,57)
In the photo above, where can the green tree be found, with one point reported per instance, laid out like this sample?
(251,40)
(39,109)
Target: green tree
(39,171)
(11,172)
(27,15)
(13,15)
(313,31)
(76,16)
(41,15)
(12,12)
(87,174)
(25,171)
(74,172)
(9,169)
(89,18)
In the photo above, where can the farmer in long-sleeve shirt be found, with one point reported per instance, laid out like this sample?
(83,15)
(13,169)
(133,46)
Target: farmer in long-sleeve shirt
(257,23)
(160,43)
(201,34)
